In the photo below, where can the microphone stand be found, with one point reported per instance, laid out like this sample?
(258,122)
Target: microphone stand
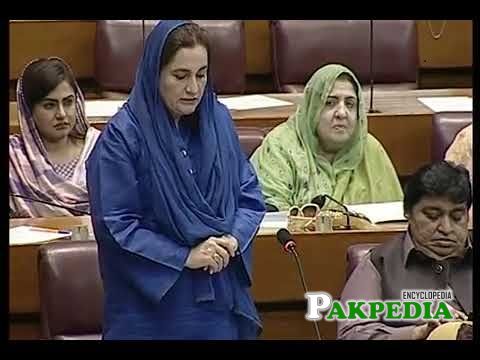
(371,109)
(288,243)
(302,277)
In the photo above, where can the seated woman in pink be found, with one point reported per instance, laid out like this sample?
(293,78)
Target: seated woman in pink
(47,159)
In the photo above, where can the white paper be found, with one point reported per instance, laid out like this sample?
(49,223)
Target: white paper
(380,212)
(27,235)
(275,220)
(248,102)
(102,108)
(448,103)
(91,233)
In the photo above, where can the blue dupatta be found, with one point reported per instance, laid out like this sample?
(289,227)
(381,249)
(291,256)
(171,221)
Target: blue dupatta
(192,209)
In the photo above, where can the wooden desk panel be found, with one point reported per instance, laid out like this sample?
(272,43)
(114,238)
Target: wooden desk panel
(453,49)
(276,283)
(74,41)
(23,280)
(324,262)
(257,47)
(25,327)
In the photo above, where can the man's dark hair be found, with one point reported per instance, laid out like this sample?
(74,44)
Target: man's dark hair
(442,179)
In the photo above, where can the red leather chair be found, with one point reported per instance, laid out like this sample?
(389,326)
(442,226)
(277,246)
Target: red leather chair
(250,138)
(119,44)
(71,291)
(228,55)
(300,47)
(118,47)
(445,127)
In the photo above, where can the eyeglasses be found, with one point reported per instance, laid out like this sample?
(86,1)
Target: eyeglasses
(307,210)
(309,218)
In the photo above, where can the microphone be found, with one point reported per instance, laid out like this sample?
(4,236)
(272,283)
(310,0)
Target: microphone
(74,211)
(320,201)
(371,109)
(271,208)
(285,239)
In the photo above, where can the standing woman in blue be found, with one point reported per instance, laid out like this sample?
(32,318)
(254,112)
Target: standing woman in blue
(175,204)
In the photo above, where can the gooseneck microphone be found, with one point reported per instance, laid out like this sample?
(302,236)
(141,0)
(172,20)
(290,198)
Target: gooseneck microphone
(285,239)
(74,211)
(271,208)
(320,201)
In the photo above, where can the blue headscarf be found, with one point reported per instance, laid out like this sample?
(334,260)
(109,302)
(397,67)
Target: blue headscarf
(188,209)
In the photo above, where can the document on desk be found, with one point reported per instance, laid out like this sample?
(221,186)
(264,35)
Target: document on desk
(379,213)
(448,103)
(249,102)
(30,235)
(272,222)
(102,108)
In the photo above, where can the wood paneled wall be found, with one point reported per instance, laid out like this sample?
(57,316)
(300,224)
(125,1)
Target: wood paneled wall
(74,41)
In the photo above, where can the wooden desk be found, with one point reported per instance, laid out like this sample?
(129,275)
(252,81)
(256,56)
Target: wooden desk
(277,288)
(404,125)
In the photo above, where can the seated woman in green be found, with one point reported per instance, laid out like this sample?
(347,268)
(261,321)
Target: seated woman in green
(325,148)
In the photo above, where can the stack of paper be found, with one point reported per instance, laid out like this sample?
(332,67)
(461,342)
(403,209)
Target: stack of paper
(102,108)
(28,235)
(273,221)
(448,103)
(380,212)
(248,102)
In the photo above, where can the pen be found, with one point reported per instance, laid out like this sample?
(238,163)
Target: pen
(56,231)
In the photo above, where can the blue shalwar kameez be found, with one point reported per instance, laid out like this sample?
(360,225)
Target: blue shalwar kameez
(157,190)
